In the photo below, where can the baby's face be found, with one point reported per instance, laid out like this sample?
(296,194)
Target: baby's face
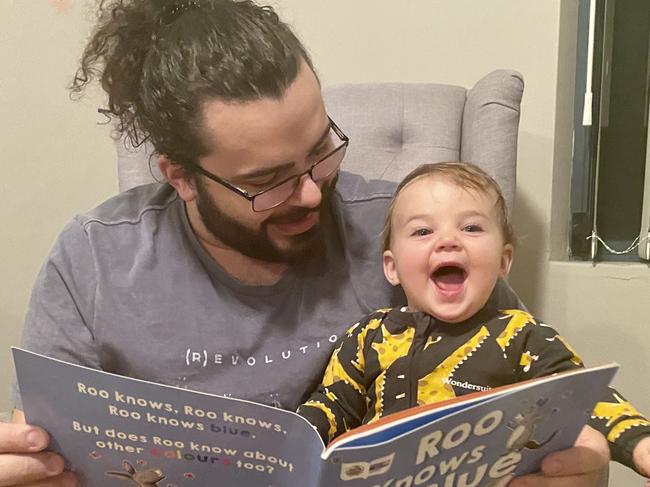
(447,250)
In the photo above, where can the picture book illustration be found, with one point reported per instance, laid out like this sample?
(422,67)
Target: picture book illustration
(143,478)
(363,470)
(523,427)
(117,431)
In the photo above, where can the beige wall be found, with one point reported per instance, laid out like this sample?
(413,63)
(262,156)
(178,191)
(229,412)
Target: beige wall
(62,163)
(55,160)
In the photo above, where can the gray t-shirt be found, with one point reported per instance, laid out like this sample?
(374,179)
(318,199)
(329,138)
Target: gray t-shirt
(128,289)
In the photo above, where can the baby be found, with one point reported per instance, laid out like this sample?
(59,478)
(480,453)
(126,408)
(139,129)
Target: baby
(447,240)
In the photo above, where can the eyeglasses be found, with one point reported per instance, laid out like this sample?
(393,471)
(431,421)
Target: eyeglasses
(279,193)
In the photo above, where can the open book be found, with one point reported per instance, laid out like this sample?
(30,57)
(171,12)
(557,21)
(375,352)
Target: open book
(113,429)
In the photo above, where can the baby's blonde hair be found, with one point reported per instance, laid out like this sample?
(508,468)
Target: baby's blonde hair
(466,176)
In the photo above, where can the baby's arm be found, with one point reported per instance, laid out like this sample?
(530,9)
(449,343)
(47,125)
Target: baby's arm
(544,352)
(339,402)
(626,429)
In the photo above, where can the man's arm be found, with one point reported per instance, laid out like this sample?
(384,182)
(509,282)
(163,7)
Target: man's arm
(55,325)
(60,317)
(22,459)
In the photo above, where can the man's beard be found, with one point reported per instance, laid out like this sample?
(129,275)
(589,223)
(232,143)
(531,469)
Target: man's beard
(256,243)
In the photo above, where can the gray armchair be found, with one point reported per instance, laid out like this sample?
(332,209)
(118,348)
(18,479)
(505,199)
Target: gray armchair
(394,127)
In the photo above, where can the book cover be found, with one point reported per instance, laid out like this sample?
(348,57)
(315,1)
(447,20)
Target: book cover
(115,430)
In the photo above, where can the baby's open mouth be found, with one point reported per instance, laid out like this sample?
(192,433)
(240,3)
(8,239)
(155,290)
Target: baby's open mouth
(449,278)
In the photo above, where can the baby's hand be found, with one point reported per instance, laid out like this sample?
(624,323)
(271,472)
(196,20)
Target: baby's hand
(641,457)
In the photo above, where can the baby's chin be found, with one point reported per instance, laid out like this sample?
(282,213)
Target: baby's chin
(453,315)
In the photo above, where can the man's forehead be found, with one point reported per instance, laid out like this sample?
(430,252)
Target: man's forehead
(233,123)
(262,137)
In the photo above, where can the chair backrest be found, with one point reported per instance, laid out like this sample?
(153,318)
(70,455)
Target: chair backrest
(394,127)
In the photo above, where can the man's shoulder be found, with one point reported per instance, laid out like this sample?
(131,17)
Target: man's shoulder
(359,210)
(362,203)
(354,189)
(125,220)
(130,207)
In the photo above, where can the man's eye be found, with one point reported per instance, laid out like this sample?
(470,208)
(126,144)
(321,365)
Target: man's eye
(421,232)
(323,150)
(472,227)
(260,183)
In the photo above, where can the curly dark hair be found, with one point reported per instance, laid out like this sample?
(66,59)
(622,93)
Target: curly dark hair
(160,60)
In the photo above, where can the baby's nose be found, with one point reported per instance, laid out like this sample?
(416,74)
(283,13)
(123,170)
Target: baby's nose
(447,243)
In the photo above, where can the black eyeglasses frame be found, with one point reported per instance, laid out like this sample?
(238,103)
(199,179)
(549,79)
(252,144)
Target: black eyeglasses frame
(251,197)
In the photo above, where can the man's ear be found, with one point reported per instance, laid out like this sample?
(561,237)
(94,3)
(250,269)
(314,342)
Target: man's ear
(506,259)
(390,271)
(178,177)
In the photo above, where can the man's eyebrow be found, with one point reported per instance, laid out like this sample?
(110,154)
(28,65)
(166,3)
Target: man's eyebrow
(266,171)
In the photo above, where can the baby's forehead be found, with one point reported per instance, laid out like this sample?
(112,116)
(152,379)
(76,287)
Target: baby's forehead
(437,184)
(430,197)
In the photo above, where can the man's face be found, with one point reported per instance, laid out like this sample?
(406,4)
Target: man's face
(257,242)
(446,249)
(255,145)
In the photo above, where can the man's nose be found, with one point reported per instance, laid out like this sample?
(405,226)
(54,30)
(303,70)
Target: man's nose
(308,194)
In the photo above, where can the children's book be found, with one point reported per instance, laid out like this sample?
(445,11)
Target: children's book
(116,430)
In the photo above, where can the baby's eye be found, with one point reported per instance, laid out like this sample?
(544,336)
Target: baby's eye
(421,232)
(472,227)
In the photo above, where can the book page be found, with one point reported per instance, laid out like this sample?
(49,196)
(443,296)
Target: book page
(112,428)
(485,444)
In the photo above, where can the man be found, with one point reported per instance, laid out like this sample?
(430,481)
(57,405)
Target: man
(234,276)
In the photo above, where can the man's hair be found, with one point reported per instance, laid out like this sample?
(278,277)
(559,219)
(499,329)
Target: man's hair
(464,175)
(160,61)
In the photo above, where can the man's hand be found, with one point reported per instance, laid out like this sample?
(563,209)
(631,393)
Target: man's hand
(581,466)
(22,460)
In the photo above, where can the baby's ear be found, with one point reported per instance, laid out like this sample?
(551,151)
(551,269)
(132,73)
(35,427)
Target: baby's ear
(390,271)
(506,259)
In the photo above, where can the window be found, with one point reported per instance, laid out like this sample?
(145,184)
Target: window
(610,185)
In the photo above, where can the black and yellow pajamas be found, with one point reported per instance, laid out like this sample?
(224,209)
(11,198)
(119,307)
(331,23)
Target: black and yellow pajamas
(393,360)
